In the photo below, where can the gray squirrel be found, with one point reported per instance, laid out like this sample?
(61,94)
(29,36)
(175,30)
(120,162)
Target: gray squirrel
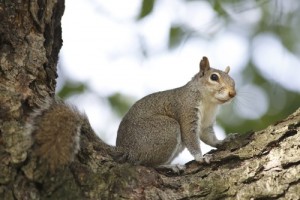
(152,133)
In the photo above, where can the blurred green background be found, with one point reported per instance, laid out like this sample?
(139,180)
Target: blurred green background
(274,20)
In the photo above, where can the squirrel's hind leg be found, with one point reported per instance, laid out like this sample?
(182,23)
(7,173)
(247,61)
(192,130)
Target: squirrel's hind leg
(153,141)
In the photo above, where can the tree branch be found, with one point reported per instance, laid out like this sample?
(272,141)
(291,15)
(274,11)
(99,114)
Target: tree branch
(262,164)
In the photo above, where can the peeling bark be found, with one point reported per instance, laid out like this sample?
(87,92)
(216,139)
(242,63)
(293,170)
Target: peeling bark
(255,165)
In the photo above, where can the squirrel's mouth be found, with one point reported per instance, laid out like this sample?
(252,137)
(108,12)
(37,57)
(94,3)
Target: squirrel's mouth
(223,100)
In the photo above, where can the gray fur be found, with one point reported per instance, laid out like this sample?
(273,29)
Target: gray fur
(159,126)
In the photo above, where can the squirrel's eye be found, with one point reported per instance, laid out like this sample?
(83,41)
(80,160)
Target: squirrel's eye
(214,77)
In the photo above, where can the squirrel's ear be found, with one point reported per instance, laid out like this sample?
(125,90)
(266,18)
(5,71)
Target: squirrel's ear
(204,66)
(227,70)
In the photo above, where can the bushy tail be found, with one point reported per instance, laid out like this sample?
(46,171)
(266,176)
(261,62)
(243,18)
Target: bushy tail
(55,130)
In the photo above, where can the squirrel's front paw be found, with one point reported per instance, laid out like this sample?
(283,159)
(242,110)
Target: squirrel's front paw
(203,159)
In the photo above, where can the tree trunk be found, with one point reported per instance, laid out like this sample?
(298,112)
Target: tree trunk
(256,165)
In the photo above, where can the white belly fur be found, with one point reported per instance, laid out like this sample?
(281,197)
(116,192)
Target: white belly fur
(206,114)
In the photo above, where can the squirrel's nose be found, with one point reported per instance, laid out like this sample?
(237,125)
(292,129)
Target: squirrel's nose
(232,93)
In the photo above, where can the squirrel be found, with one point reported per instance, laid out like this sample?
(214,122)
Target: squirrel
(154,130)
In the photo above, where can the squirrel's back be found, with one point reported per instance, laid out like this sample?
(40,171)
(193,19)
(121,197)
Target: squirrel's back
(166,103)
(155,103)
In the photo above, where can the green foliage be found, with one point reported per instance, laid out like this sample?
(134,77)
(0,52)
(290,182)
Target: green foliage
(218,7)
(71,88)
(146,9)
(119,103)
(175,36)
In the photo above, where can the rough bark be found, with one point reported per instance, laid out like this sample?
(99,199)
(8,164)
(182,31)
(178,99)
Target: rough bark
(256,165)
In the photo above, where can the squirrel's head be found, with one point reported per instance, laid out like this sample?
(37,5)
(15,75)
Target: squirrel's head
(216,85)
